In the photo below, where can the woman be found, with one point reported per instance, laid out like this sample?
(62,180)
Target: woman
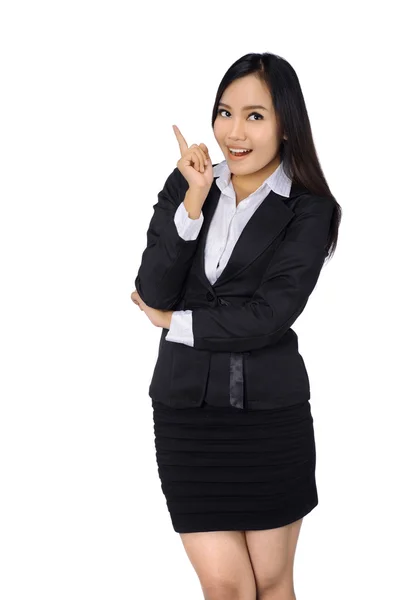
(233,426)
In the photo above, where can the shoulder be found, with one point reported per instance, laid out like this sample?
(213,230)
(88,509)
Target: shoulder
(175,187)
(177,179)
(313,204)
(312,220)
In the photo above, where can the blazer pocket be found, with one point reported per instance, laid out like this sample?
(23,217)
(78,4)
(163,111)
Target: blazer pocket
(270,374)
(189,375)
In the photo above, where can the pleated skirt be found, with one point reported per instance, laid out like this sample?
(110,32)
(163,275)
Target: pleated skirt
(223,468)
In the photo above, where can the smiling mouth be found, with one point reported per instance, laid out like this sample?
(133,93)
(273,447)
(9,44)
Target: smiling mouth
(239,154)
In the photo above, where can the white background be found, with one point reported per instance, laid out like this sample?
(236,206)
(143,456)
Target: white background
(89,93)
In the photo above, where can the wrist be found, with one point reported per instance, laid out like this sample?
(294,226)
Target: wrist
(193,203)
(168,318)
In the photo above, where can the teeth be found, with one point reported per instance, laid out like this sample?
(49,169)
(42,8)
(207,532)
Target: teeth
(236,151)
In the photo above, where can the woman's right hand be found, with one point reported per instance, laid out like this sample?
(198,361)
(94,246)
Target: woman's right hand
(194,164)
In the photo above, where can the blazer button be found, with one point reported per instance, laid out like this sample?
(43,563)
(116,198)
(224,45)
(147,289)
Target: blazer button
(210,296)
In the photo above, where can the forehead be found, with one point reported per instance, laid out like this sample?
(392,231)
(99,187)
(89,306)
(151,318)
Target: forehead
(245,92)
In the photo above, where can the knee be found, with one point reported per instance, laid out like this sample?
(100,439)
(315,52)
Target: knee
(277,590)
(218,588)
(276,586)
(221,590)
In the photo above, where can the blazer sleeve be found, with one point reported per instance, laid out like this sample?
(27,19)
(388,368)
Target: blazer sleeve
(167,257)
(283,291)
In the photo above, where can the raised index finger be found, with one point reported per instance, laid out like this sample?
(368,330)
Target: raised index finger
(181,140)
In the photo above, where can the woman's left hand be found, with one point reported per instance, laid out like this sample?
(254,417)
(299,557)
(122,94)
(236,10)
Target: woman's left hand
(159,318)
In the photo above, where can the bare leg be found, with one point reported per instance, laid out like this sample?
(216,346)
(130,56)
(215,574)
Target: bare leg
(271,553)
(222,563)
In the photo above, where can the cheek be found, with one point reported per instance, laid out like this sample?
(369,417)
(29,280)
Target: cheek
(264,136)
(219,133)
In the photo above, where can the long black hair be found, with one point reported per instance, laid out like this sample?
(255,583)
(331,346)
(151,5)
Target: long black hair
(298,154)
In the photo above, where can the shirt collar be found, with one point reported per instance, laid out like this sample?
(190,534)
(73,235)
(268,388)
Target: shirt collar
(278,181)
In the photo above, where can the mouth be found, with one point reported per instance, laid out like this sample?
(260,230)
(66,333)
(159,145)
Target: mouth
(239,155)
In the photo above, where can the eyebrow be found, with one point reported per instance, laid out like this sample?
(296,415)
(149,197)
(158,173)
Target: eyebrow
(245,107)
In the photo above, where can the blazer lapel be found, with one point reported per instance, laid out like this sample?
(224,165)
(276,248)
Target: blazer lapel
(208,210)
(265,224)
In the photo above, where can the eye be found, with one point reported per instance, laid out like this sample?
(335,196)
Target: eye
(258,115)
(221,110)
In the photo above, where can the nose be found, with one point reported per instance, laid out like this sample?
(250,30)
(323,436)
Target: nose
(237,131)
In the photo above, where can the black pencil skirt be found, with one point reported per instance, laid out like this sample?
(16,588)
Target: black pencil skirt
(224,468)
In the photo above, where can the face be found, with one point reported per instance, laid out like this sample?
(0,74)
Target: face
(250,128)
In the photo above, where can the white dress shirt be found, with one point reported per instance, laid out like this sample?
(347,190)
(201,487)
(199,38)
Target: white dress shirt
(225,228)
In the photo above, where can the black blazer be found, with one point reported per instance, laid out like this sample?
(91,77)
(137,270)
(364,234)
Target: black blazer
(245,352)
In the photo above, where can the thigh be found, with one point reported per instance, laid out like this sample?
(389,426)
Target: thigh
(221,561)
(271,553)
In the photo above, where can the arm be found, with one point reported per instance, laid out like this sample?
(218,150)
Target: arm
(282,294)
(168,255)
